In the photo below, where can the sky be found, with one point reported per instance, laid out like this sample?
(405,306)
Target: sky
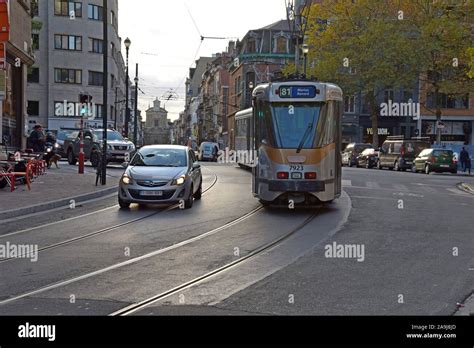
(166,38)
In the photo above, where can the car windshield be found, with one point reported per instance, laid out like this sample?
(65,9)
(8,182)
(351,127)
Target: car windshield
(361,148)
(111,136)
(153,157)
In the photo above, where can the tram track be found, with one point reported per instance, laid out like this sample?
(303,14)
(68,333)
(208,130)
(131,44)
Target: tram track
(134,308)
(104,230)
(134,260)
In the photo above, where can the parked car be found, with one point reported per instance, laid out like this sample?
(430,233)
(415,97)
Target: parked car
(208,151)
(62,135)
(352,151)
(368,158)
(161,174)
(398,153)
(432,160)
(118,147)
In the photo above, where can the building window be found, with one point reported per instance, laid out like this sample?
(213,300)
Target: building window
(68,42)
(67,8)
(71,76)
(449,101)
(96,78)
(33,108)
(349,104)
(96,46)
(34,8)
(33,75)
(157,123)
(251,46)
(112,19)
(389,95)
(407,96)
(112,81)
(281,45)
(35,39)
(95,12)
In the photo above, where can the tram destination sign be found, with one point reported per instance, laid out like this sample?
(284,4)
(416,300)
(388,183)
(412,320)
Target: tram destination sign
(294,92)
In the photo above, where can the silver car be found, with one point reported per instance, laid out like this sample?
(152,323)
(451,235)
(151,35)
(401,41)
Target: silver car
(161,174)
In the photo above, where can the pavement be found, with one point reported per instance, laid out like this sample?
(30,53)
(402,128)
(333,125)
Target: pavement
(56,189)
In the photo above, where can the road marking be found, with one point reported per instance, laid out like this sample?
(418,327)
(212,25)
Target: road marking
(458,192)
(399,187)
(346,183)
(374,198)
(404,194)
(372,185)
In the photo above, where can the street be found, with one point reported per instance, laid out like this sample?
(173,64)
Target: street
(230,256)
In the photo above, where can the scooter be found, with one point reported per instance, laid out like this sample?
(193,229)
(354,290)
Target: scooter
(50,150)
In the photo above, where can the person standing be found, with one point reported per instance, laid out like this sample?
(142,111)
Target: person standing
(464,158)
(37,139)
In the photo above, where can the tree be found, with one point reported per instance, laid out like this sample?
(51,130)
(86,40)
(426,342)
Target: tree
(443,36)
(369,45)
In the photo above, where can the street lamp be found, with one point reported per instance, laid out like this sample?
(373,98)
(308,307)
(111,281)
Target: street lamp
(127,43)
(135,124)
(305,50)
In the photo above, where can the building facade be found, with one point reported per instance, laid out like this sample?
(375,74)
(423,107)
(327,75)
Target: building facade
(157,129)
(69,61)
(16,56)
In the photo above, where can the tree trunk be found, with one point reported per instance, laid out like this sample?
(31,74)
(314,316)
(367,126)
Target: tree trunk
(438,116)
(374,115)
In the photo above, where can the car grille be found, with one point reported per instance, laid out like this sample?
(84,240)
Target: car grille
(166,195)
(121,148)
(151,183)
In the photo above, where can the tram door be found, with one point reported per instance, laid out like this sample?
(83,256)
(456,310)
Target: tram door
(254,144)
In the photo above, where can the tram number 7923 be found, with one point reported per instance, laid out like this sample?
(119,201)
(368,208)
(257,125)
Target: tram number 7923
(296,168)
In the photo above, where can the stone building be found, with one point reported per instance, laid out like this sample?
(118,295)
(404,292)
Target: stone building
(69,61)
(157,130)
(16,56)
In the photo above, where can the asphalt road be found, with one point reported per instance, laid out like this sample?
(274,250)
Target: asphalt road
(99,259)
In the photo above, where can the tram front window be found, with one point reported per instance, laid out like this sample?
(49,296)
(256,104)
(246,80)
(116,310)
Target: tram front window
(291,124)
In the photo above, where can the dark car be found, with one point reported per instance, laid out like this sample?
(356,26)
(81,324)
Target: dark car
(438,161)
(368,158)
(352,151)
(398,153)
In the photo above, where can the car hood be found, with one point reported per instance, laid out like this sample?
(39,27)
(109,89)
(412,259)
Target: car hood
(155,173)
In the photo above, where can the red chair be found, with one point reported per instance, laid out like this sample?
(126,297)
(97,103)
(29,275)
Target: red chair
(11,176)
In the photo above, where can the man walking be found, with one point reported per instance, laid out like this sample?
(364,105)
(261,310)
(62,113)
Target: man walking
(465,160)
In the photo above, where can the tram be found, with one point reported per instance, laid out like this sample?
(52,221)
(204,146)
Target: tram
(294,128)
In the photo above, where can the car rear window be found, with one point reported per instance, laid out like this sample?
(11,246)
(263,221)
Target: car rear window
(443,153)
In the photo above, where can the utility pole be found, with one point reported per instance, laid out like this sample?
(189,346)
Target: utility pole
(135,126)
(105,92)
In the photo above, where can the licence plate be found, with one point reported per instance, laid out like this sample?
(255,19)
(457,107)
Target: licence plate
(409,162)
(151,193)
(297,176)
(444,166)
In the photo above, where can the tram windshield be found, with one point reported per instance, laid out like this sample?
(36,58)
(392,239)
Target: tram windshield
(295,126)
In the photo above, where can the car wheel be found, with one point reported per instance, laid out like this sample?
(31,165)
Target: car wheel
(413,169)
(367,165)
(454,171)
(349,163)
(379,165)
(427,169)
(123,204)
(3,183)
(188,204)
(198,194)
(71,159)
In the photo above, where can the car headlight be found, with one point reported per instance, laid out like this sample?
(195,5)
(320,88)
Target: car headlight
(132,147)
(57,146)
(127,180)
(179,181)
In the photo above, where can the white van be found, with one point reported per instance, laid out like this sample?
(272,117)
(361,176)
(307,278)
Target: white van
(208,151)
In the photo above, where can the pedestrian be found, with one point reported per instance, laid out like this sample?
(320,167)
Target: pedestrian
(465,160)
(37,139)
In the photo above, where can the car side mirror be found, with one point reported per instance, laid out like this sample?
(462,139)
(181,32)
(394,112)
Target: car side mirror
(125,165)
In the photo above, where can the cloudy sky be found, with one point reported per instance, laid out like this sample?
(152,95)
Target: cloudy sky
(165,37)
